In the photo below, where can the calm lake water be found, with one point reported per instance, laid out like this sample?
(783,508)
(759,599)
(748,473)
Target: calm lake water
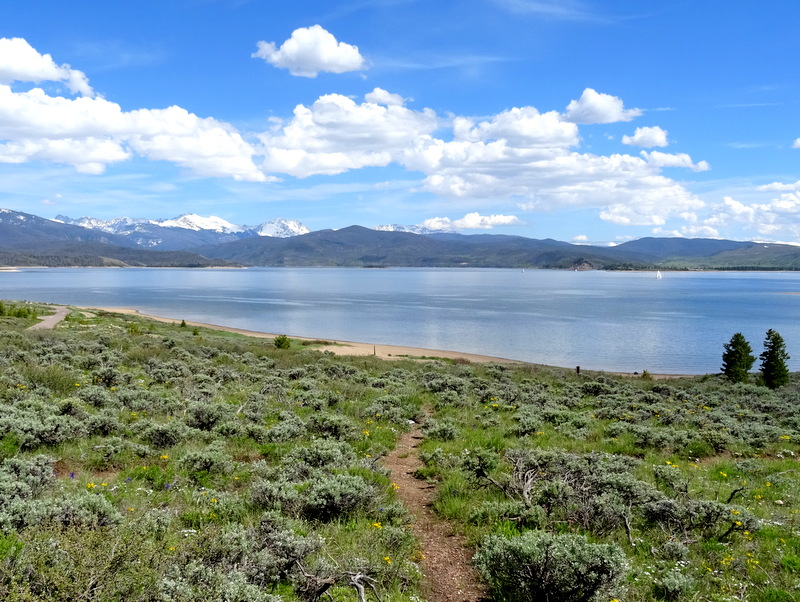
(597,320)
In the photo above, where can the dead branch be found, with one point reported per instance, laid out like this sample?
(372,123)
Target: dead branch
(315,586)
(628,527)
(733,494)
(358,580)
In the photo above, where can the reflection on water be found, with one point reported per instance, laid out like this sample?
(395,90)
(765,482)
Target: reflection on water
(598,320)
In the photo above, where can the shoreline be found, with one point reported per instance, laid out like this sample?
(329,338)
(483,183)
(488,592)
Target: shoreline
(386,352)
(337,346)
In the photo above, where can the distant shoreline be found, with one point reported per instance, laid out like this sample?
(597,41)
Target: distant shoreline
(388,352)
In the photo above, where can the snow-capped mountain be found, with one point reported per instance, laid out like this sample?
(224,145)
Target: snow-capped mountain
(191,221)
(112,226)
(185,231)
(280,228)
(398,228)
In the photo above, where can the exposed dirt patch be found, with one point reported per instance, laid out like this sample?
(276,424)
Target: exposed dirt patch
(447,564)
(64,470)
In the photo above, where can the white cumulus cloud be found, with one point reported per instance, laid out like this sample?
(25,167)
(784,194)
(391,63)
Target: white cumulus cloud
(92,133)
(205,146)
(647,137)
(660,159)
(524,127)
(596,107)
(779,187)
(336,134)
(796,143)
(471,221)
(379,96)
(311,50)
(20,62)
(777,217)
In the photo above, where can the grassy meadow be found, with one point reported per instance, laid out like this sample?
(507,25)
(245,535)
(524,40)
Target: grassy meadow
(148,461)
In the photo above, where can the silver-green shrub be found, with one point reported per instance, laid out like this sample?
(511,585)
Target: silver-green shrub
(537,566)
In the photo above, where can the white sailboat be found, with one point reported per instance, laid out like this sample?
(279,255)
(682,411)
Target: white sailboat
(658,275)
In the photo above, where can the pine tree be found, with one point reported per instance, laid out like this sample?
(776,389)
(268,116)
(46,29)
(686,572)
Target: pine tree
(774,371)
(737,359)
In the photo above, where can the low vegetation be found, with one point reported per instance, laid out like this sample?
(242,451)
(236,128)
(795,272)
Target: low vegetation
(144,461)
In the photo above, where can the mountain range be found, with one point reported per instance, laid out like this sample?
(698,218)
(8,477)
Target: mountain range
(185,231)
(196,241)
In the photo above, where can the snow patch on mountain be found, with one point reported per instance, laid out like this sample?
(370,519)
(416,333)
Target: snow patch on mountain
(280,228)
(118,225)
(191,221)
(147,233)
(413,229)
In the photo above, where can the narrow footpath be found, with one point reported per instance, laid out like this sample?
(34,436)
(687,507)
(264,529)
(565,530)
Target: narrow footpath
(448,574)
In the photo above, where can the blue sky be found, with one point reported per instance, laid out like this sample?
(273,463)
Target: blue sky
(583,121)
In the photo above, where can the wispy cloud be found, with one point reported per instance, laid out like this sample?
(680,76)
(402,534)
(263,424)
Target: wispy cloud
(565,10)
(107,55)
(353,7)
(748,105)
(442,62)
(748,145)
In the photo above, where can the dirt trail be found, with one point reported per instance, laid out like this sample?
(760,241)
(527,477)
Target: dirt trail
(447,564)
(51,320)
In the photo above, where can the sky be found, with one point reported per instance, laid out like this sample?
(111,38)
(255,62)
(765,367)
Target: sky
(586,121)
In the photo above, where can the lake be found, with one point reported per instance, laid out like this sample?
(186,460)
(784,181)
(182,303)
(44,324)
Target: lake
(614,321)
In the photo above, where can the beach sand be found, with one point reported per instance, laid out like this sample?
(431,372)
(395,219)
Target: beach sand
(335,346)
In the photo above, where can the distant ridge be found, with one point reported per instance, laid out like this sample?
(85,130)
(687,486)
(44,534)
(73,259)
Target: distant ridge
(26,239)
(29,240)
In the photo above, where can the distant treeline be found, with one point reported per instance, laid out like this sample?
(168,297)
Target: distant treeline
(118,258)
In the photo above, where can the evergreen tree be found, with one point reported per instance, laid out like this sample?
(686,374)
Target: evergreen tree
(737,359)
(774,371)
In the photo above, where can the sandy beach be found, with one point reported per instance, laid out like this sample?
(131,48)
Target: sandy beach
(335,346)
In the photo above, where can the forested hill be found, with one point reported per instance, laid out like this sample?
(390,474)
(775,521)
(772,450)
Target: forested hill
(361,247)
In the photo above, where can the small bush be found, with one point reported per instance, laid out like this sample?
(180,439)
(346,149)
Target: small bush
(443,430)
(330,425)
(674,585)
(335,496)
(282,341)
(204,415)
(200,464)
(162,435)
(539,566)
(323,453)
(290,427)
